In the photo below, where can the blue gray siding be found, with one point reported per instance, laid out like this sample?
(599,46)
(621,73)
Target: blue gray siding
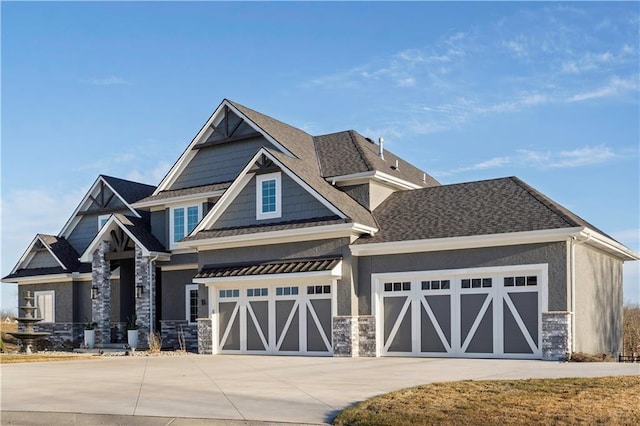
(173,294)
(160,226)
(42,259)
(85,231)
(220,163)
(297,204)
(555,254)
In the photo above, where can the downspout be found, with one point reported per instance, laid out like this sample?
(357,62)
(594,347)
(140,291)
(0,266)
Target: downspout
(574,243)
(151,301)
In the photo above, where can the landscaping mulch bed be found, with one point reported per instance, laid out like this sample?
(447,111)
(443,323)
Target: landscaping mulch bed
(606,400)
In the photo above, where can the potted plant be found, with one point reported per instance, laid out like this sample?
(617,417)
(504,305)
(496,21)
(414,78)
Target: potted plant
(90,334)
(132,331)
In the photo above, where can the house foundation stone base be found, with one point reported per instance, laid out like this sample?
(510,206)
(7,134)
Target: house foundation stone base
(354,336)
(64,335)
(205,344)
(556,336)
(171,330)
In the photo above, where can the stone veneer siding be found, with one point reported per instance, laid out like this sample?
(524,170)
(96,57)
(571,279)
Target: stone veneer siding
(345,336)
(170,330)
(556,336)
(205,343)
(101,305)
(145,310)
(63,334)
(367,336)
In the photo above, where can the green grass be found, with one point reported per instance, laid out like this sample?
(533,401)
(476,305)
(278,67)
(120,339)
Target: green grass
(606,400)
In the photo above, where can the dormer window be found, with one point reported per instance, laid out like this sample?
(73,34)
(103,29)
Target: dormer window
(183,220)
(268,196)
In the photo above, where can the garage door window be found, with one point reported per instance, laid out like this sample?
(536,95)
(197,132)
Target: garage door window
(229,293)
(520,281)
(436,285)
(398,286)
(476,283)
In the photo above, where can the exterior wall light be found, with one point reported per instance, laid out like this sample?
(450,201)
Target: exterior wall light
(95,291)
(139,291)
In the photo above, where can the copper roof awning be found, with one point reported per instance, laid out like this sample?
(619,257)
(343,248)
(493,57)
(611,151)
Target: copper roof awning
(270,268)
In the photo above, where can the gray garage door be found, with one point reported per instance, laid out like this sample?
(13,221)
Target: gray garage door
(486,314)
(287,319)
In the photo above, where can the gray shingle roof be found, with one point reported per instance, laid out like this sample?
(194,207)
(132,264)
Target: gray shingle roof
(475,208)
(140,229)
(349,152)
(130,191)
(163,195)
(299,224)
(270,268)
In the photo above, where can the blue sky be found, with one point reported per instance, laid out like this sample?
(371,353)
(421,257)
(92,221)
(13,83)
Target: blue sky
(467,91)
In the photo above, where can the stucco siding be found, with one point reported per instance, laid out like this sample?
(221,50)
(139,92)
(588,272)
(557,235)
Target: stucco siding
(220,163)
(297,204)
(599,299)
(173,293)
(554,254)
(81,301)
(377,194)
(63,298)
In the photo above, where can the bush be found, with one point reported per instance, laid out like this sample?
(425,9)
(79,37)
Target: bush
(631,330)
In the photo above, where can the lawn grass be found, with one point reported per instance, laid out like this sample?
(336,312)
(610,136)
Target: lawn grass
(40,357)
(605,400)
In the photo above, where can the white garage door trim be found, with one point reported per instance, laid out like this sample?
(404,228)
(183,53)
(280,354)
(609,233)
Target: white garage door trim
(284,310)
(410,299)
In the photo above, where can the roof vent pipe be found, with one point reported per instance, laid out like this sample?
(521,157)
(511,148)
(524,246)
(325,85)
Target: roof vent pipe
(381,148)
(397,165)
(424,178)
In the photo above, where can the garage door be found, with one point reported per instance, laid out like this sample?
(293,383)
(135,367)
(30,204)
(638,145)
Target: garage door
(466,313)
(285,319)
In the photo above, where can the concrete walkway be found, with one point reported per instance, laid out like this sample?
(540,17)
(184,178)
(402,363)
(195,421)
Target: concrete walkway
(247,389)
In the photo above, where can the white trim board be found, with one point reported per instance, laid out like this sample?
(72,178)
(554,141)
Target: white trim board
(26,256)
(73,221)
(374,175)
(244,177)
(189,153)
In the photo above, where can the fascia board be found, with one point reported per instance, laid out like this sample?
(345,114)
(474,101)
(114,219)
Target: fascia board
(203,196)
(259,129)
(609,245)
(187,155)
(38,279)
(68,227)
(467,242)
(272,237)
(375,175)
(25,254)
(296,275)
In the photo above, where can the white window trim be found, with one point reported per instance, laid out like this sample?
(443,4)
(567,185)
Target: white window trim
(53,303)
(102,217)
(172,209)
(259,180)
(187,301)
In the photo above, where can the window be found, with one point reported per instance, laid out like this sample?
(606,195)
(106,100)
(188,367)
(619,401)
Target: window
(229,293)
(183,220)
(318,289)
(520,281)
(102,219)
(436,285)
(403,286)
(477,283)
(286,291)
(268,196)
(45,302)
(255,292)
(191,300)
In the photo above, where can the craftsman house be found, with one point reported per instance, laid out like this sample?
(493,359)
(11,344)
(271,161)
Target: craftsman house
(263,239)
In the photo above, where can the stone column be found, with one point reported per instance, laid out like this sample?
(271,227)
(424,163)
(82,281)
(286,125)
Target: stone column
(101,305)
(205,342)
(367,336)
(556,336)
(346,342)
(145,309)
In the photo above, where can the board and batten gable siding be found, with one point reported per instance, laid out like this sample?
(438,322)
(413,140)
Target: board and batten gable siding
(86,230)
(297,204)
(42,259)
(599,300)
(554,254)
(219,163)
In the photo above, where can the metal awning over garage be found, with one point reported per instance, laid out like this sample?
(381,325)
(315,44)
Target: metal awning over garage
(270,268)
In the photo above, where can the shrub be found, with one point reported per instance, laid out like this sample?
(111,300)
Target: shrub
(631,330)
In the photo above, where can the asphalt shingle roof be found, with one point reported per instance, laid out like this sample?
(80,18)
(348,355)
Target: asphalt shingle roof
(476,208)
(349,152)
(163,195)
(129,190)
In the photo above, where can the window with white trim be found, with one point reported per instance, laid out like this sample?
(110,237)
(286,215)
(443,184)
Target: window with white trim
(268,196)
(183,220)
(46,303)
(102,219)
(191,302)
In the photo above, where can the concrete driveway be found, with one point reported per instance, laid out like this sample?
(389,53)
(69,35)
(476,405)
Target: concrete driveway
(242,388)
